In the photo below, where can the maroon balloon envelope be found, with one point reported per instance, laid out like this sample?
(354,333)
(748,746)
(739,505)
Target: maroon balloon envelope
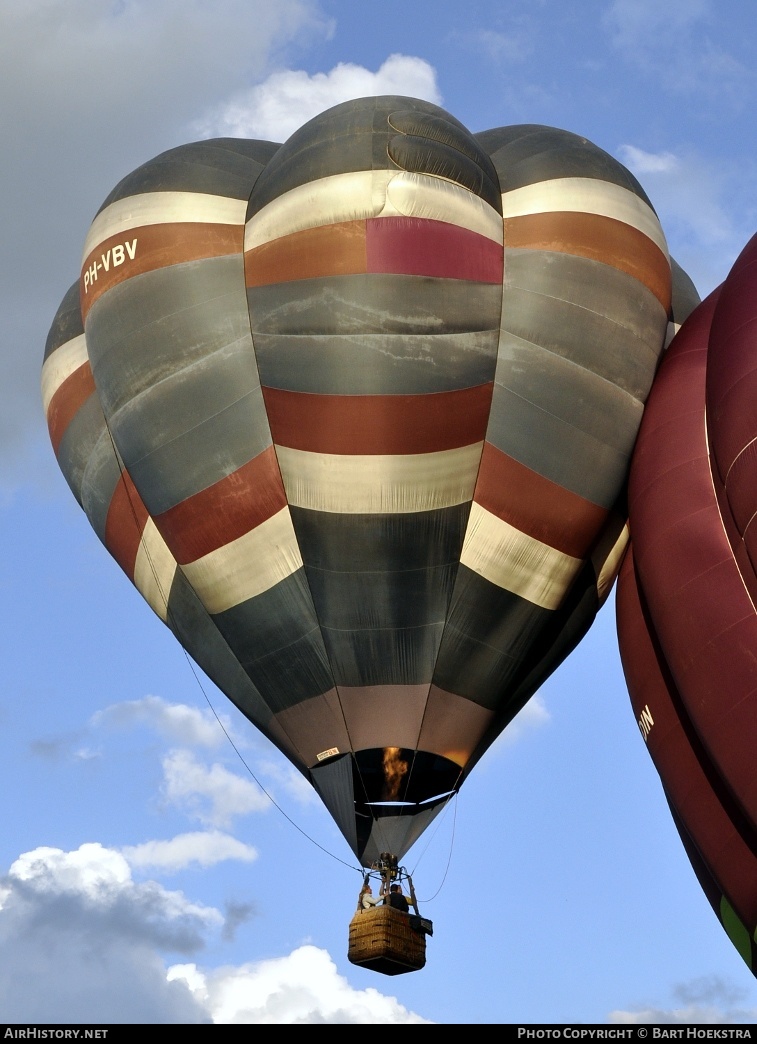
(687,622)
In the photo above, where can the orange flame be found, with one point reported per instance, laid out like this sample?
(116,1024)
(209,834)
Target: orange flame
(395,769)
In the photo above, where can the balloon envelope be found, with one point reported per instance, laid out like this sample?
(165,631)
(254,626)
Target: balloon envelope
(354,414)
(686,598)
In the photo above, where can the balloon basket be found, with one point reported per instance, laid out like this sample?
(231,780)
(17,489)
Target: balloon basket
(387,941)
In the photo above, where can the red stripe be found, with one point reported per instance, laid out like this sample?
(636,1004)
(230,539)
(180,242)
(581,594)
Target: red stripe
(125,523)
(420,246)
(372,424)
(67,401)
(396,245)
(224,511)
(537,506)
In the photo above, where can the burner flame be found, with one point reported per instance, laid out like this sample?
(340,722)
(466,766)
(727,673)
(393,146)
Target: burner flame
(395,770)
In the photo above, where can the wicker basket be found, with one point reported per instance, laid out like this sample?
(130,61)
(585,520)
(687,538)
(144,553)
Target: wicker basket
(384,940)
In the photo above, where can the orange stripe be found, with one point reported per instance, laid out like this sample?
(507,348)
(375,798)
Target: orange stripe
(125,523)
(151,247)
(537,506)
(67,401)
(325,250)
(599,238)
(224,511)
(378,424)
(409,246)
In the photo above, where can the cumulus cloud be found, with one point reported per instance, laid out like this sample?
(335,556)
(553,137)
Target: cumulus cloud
(709,1001)
(275,108)
(80,941)
(98,879)
(90,91)
(303,988)
(214,795)
(175,721)
(199,848)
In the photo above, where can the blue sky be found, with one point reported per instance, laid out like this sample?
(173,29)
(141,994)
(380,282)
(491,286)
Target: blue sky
(143,875)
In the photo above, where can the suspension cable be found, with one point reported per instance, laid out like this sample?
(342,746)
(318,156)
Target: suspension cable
(451,846)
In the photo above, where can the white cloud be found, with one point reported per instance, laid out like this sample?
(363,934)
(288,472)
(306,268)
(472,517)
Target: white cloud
(87,754)
(695,1013)
(95,48)
(533,716)
(301,989)
(213,795)
(290,780)
(202,848)
(642,162)
(79,941)
(497,46)
(176,721)
(99,878)
(275,108)
(675,43)
(709,1001)
(92,871)
(691,197)
(101,87)
(634,22)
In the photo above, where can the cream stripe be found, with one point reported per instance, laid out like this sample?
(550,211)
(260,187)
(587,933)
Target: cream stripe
(607,557)
(60,365)
(248,566)
(367,194)
(585,196)
(154,570)
(158,208)
(377,484)
(516,562)
(672,330)
(424,196)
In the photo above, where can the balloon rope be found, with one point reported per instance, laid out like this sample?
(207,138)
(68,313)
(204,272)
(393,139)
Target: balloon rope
(451,846)
(197,677)
(252,774)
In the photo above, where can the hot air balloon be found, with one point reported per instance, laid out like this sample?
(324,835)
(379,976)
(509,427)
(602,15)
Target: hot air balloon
(686,595)
(355,413)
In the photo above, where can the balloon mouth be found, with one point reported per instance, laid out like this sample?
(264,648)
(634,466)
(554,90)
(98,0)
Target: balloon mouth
(397,776)
(357,787)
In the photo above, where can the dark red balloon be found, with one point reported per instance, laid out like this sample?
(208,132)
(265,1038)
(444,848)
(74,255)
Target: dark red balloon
(687,622)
